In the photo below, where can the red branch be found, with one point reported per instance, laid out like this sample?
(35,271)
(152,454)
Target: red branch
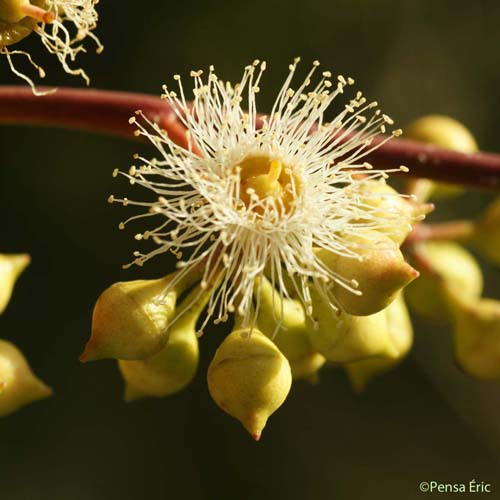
(108,112)
(98,111)
(449,230)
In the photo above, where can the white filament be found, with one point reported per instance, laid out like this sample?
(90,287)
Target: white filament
(197,212)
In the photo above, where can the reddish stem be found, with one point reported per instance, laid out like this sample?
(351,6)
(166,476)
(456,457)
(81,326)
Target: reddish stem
(108,112)
(481,170)
(452,230)
(99,111)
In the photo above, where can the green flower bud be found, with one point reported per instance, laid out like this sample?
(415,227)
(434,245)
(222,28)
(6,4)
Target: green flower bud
(486,237)
(292,337)
(477,335)
(11,266)
(379,195)
(447,133)
(130,319)
(173,368)
(249,378)
(342,338)
(380,271)
(456,269)
(18,384)
(400,333)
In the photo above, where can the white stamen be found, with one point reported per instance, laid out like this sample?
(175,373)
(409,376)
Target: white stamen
(198,206)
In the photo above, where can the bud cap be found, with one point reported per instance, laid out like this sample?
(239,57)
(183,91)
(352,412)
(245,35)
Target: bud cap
(18,384)
(130,320)
(11,266)
(249,378)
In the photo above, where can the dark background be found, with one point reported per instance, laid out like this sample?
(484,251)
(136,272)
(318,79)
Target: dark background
(424,421)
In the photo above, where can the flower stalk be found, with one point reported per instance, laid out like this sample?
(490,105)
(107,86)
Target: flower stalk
(108,112)
(451,230)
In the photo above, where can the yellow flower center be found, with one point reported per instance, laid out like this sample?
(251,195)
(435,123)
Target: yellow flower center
(264,178)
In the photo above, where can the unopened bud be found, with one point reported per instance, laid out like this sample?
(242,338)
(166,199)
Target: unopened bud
(477,335)
(18,384)
(11,266)
(130,319)
(389,204)
(249,378)
(284,320)
(380,274)
(343,338)
(400,334)
(454,268)
(486,236)
(444,132)
(173,368)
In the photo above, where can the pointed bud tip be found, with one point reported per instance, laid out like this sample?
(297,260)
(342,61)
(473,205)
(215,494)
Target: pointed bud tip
(255,425)
(427,208)
(91,352)
(256,436)
(357,378)
(21,261)
(359,386)
(408,271)
(45,391)
(412,272)
(37,390)
(86,356)
(132,394)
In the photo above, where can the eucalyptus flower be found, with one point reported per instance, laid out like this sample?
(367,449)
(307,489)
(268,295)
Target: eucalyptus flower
(259,194)
(62,25)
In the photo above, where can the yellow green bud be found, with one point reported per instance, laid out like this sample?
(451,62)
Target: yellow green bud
(455,268)
(477,335)
(249,378)
(400,333)
(343,338)
(130,319)
(11,266)
(444,132)
(292,337)
(173,368)
(18,384)
(379,195)
(380,271)
(486,236)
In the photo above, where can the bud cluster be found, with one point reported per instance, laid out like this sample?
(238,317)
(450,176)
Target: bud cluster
(291,329)
(451,284)
(277,224)
(150,326)
(18,384)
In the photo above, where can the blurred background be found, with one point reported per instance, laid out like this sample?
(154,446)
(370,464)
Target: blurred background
(424,421)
